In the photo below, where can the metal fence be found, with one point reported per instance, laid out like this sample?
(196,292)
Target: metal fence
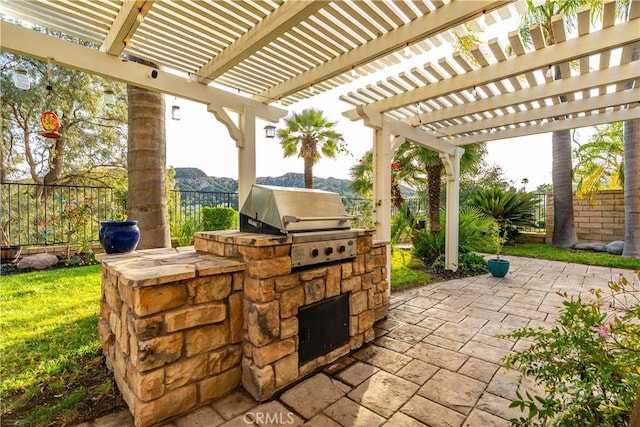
(37,215)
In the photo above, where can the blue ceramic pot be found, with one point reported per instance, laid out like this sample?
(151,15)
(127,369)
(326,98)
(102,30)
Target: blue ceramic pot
(498,267)
(119,237)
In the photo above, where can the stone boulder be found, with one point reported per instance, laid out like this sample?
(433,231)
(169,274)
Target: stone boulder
(595,247)
(38,261)
(615,247)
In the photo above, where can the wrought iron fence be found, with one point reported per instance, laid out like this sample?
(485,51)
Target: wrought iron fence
(37,215)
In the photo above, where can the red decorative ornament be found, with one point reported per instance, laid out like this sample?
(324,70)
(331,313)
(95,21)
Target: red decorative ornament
(51,124)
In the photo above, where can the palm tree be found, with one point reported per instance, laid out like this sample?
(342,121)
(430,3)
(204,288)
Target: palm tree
(600,161)
(303,133)
(564,231)
(146,162)
(419,165)
(631,133)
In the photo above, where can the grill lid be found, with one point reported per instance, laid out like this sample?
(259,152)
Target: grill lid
(280,210)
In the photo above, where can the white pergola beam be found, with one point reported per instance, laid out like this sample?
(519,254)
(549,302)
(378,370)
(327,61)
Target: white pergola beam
(596,78)
(572,123)
(125,24)
(270,28)
(562,109)
(27,42)
(435,22)
(590,44)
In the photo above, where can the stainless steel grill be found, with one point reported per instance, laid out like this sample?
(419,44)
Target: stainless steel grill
(315,219)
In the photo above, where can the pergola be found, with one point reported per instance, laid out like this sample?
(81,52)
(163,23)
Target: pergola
(256,57)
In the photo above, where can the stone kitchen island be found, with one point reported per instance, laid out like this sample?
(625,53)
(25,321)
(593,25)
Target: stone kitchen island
(182,327)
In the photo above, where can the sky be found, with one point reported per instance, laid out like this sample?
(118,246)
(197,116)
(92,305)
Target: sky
(198,140)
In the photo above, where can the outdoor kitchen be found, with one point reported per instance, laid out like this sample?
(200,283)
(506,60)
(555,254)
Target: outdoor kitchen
(293,290)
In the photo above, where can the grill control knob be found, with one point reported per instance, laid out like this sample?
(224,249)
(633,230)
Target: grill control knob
(328,251)
(314,252)
(342,248)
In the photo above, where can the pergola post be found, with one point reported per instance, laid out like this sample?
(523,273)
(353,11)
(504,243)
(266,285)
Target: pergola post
(452,168)
(246,154)
(382,189)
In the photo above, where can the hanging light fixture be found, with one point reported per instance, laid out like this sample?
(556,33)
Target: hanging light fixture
(109,98)
(21,79)
(175,112)
(549,72)
(270,131)
(406,52)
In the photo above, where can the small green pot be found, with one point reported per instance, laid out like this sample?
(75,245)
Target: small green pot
(498,267)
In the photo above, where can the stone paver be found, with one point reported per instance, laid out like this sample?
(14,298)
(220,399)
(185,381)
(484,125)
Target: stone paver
(313,395)
(436,359)
(383,393)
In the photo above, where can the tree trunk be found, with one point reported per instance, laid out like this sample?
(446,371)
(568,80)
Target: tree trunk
(434,177)
(564,231)
(631,135)
(146,162)
(308,151)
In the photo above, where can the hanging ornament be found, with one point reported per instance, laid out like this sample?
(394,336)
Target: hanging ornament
(49,120)
(21,79)
(51,124)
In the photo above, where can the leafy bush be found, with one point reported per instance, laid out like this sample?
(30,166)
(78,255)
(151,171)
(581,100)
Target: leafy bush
(510,208)
(219,218)
(472,235)
(588,363)
(184,231)
(473,262)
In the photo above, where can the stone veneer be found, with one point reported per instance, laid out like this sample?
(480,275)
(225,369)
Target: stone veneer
(182,327)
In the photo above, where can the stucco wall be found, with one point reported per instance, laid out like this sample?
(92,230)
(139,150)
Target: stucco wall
(600,221)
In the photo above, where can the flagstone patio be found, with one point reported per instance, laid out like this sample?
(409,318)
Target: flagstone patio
(435,361)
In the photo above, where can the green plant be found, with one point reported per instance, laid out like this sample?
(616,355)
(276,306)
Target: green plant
(184,231)
(218,218)
(471,235)
(545,251)
(73,217)
(510,208)
(405,270)
(588,363)
(472,262)
(498,238)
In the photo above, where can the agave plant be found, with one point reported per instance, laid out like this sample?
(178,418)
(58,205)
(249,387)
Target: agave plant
(509,208)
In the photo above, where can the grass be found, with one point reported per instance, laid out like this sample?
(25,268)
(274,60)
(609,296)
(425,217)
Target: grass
(50,345)
(544,251)
(402,272)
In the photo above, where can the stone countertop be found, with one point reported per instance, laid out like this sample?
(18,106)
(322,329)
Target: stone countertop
(152,267)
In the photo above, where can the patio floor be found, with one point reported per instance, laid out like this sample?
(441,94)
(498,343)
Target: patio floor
(435,361)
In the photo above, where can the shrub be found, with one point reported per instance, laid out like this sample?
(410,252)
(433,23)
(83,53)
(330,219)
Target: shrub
(184,231)
(219,218)
(473,262)
(510,208)
(472,235)
(588,363)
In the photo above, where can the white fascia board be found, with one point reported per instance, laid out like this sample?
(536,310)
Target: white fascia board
(26,42)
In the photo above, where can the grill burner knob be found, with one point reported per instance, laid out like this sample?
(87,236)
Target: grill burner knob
(314,252)
(342,248)
(328,251)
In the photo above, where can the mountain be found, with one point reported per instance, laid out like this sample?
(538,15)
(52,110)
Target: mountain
(194,179)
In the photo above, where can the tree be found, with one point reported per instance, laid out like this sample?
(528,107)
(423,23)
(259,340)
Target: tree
(146,162)
(564,232)
(632,182)
(419,164)
(302,134)
(92,139)
(600,161)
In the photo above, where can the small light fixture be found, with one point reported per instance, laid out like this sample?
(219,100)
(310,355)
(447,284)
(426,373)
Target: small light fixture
(474,92)
(270,131)
(21,79)
(140,16)
(109,98)
(175,112)
(353,72)
(549,72)
(406,52)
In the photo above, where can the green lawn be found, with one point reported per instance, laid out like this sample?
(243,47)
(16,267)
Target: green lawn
(50,344)
(544,251)
(402,273)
